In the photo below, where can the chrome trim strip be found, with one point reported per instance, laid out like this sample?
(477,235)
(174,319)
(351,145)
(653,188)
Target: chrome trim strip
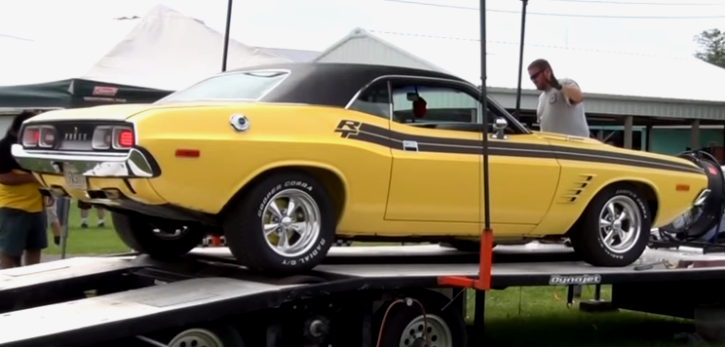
(509,118)
(133,164)
(702,197)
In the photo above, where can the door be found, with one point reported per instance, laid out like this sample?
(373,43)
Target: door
(437,170)
(435,176)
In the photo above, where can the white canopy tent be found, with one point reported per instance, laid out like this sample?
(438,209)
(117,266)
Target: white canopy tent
(164,50)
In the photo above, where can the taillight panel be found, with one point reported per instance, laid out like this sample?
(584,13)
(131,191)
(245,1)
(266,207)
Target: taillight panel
(31,136)
(115,137)
(80,136)
(47,136)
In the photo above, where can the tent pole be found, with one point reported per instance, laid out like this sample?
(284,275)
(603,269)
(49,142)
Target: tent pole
(226,35)
(517,114)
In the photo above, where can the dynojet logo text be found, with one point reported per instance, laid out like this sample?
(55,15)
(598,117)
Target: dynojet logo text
(574,279)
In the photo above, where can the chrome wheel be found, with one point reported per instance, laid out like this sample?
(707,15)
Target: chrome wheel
(291,222)
(620,224)
(196,338)
(439,334)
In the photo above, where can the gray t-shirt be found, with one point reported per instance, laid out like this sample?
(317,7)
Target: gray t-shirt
(556,114)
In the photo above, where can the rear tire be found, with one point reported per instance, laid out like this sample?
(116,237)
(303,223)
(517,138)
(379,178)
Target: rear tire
(137,232)
(622,239)
(308,228)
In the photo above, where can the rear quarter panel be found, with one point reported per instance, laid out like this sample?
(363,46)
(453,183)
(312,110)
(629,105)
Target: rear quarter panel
(279,135)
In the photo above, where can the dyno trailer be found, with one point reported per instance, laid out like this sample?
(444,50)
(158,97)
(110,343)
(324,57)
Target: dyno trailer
(361,296)
(208,298)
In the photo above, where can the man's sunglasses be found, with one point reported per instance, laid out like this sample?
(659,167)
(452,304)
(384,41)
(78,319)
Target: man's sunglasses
(534,76)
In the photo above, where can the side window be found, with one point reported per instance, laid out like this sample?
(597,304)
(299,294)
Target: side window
(425,102)
(374,100)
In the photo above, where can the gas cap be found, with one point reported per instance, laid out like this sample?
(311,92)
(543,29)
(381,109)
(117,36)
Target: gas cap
(239,122)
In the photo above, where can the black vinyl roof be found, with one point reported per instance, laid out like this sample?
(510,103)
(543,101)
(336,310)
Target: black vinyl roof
(332,84)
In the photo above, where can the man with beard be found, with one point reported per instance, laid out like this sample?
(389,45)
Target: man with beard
(22,221)
(561,103)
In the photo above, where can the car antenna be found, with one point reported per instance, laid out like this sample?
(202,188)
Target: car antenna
(517,114)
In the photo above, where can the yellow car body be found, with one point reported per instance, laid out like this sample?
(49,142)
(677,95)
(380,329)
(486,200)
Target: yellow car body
(190,160)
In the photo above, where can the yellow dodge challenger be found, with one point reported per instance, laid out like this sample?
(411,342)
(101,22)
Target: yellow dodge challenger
(284,159)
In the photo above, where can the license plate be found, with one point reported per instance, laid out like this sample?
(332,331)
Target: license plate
(74,179)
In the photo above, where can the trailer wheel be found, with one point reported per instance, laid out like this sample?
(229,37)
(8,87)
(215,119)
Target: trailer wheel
(284,225)
(615,227)
(404,325)
(216,336)
(161,239)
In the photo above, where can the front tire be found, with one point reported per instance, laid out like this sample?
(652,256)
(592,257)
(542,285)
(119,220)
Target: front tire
(284,225)
(158,238)
(615,228)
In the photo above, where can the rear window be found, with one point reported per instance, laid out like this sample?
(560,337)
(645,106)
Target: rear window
(247,85)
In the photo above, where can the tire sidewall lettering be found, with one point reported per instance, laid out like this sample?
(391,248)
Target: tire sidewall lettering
(312,254)
(301,185)
(643,209)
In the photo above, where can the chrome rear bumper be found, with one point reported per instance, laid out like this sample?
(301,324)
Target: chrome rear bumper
(134,164)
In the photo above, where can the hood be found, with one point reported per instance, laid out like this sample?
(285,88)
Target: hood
(117,112)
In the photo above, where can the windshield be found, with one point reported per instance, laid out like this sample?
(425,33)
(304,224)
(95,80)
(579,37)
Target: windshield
(246,85)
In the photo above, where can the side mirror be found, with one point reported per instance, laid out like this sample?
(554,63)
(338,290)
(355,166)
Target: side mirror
(500,127)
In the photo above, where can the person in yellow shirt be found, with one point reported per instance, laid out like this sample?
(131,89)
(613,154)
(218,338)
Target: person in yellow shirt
(22,219)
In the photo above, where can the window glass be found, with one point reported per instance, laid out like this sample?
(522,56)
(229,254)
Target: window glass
(423,102)
(374,100)
(247,85)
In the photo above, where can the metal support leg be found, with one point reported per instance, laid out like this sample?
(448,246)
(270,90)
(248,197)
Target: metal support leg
(597,304)
(479,335)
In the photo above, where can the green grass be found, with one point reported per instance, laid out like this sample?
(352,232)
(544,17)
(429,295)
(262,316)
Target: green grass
(89,241)
(538,316)
(534,316)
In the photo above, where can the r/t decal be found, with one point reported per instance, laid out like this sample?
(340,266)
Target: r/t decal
(347,128)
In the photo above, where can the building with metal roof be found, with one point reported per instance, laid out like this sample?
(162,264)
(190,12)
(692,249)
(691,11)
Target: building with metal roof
(295,55)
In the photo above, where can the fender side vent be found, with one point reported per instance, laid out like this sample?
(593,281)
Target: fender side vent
(575,189)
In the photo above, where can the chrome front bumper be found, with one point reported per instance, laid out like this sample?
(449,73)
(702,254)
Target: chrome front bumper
(133,164)
(702,197)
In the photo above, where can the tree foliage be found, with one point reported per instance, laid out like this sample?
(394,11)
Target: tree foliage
(712,44)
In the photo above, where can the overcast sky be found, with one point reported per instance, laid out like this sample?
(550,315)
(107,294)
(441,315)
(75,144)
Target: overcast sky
(614,25)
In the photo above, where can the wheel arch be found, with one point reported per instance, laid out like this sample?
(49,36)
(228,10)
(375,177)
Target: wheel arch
(646,187)
(333,180)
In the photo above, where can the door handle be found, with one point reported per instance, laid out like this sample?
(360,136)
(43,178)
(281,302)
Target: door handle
(410,146)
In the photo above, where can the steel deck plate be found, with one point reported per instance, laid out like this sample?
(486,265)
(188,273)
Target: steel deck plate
(74,315)
(62,270)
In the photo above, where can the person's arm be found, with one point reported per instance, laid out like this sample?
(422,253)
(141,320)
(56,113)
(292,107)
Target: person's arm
(571,90)
(9,177)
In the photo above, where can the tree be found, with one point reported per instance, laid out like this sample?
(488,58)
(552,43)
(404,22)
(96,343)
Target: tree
(712,42)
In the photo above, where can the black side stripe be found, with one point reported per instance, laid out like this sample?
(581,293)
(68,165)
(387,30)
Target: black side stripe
(387,138)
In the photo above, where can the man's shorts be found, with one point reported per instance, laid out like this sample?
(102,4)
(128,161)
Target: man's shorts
(86,206)
(20,231)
